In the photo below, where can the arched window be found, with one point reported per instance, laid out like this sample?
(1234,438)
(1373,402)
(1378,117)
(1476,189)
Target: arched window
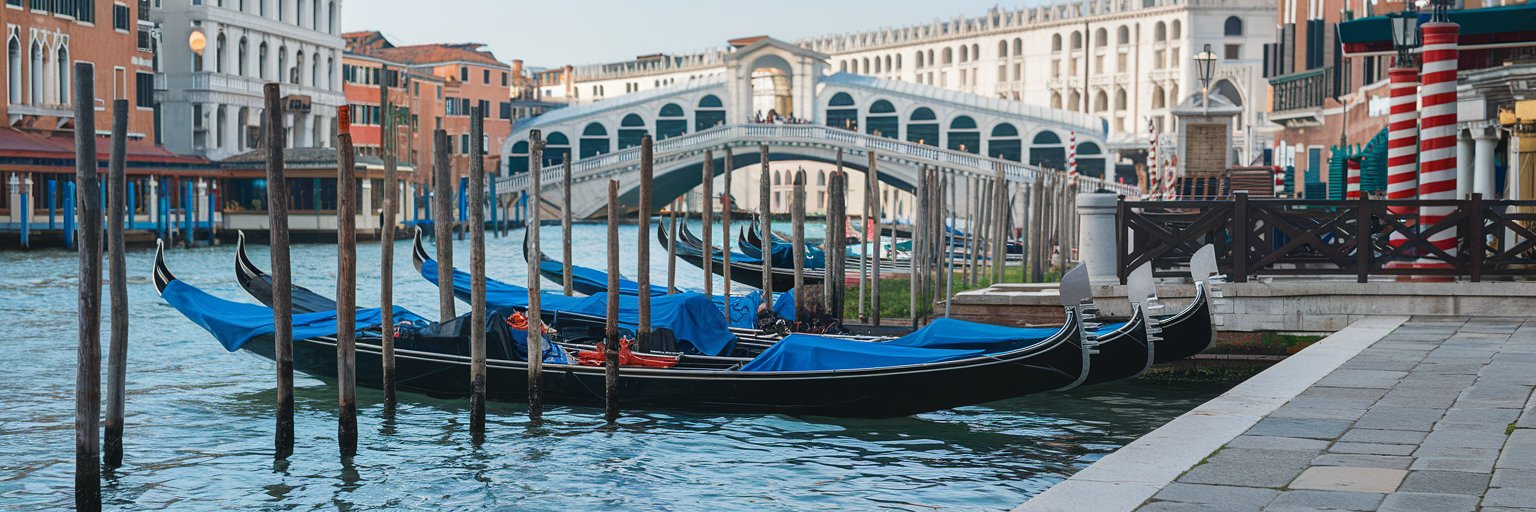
(557,148)
(1160,32)
(1157,98)
(821,178)
(244,56)
(221,116)
(1090,159)
(62,60)
(261,61)
(1002,49)
(930,58)
(965,53)
(282,62)
(1101,38)
(314,19)
(882,120)
(711,113)
(919,59)
(1173,96)
(842,112)
(298,68)
(975,51)
(13,66)
(1056,42)
(865,69)
(1119,99)
(888,68)
(631,130)
(1077,40)
(330,73)
(518,161)
(949,56)
(964,136)
(594,140)
(1004,143)
(37,74)
(898,62)
(1101,101)
(1233,26)
(778,177)
(1123,35)
(1046,150)
(218,53)
(241,122)
(671,121)
(1018,47)
(331,17)
(1177,30)
(1055,100)
(923,127)
(1075,102)
(314,71)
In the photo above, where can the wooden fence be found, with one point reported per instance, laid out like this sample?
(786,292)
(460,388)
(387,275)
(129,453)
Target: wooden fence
(1280,237)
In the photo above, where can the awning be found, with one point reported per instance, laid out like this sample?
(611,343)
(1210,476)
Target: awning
(1493,27)
(58,146)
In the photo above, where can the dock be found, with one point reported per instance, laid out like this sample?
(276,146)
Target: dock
(1431,413)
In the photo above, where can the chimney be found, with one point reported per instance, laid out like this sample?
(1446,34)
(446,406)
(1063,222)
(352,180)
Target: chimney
(570,81)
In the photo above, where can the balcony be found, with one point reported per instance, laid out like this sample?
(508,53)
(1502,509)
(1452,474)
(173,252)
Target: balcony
(1299,97)
(221,82)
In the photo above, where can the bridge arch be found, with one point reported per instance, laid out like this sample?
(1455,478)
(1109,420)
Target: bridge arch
(963,135)
(711,113)
(517,161)
(594,140)
(1004,142)
(882,120)
(631,131)
(843,112)
(671,121)
(557,148)
(1046,149)
(923,126)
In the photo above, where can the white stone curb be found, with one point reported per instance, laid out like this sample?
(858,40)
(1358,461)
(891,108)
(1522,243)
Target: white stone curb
(1125,479)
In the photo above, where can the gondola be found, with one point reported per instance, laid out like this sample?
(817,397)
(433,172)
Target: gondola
(1193,329)
(782,251)
(803,375)
(744,269)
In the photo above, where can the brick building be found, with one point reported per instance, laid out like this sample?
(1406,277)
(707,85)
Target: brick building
(440,82)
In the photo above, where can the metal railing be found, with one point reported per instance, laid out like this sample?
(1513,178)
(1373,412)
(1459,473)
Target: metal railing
(688,145)
(1360,238)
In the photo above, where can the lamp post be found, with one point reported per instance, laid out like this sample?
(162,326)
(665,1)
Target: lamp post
(1205,65)
(1403,116)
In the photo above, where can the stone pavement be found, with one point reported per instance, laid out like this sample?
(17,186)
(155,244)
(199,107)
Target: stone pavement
(1436,416)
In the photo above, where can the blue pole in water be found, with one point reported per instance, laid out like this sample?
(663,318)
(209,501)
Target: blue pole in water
(163,220)
(128,222)
(492,204)
(69,215)
(187,213)
(53,201)
(212,203)
(463,205)
(26,222)
(426,199)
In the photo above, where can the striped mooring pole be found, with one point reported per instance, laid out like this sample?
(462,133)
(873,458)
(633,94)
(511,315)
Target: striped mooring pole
(1351,177)
(1437,147)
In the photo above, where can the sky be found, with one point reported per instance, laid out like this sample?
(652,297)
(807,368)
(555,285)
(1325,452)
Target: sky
(551,33)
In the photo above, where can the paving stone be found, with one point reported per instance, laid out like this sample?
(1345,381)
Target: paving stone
(1372,448)
(1247,498)
(1477,465)
(1362,460)
(1370,435)
(1457,453)
(1249,467)
(1292,410)
(1362,378)
(1295,427)
(1446,482)
(1517,454)
(1277,443)
(1428,502)
(1506,509)
(1400,418)
(1345,478)
(1340,398)
(1457,438)
(1325,500)
(1525,478)
(1175,506)
(1510,497)
(1390,364)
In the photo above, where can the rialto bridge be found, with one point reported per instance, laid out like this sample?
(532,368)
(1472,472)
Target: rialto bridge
(908,126)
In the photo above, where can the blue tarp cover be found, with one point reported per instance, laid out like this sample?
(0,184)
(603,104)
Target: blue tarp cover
(943,340)
(743,308)
(589,281)
(784,255)
(693,318)
(235,323)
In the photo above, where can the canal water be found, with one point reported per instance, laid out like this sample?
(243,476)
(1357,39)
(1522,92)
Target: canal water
(199,425)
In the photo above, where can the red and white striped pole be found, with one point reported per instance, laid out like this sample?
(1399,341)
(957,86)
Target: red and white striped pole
(1403,143)
(1437,147)
(1072,154)
(1170,179)
(1352,177)
(1152,164)
(1279,180)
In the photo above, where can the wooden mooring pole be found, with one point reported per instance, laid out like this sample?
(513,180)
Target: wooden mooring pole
(565,228)
(797,230)
(766,224)
(919,238)
(442,223)
(672,245)
(725,220)
(999,224)
(387,248)
(282,276)
(346,286)
(88,363)
(837,240)
(117,269)
(643,226)
(707,219)
(535,287)
(611,327)
(864,254)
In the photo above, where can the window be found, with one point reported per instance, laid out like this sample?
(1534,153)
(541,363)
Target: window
(13,65)
(486,76)
(464,143)
(1233,26)
(1234,51)
(463,73)
(120,16)
(503,78)
(506,110)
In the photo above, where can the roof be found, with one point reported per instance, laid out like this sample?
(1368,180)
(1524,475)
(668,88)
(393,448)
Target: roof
(37,145)
(366,41)
(303,158)
(439,53)
(1512,25)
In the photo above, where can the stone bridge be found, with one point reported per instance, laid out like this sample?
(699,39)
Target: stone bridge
(907,125)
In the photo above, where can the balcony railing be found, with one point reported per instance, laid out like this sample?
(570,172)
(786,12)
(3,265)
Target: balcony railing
(1305,90)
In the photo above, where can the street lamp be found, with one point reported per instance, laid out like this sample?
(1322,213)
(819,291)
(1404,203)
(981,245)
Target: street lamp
(1440,7)
(1205,64)
(1405,33)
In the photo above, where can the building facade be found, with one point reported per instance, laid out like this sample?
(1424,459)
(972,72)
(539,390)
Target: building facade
(218,54)
(1126,62)
(440,83)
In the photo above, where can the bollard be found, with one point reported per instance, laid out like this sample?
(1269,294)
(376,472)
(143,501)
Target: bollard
(88,363)
(611,327)
(725,220)
(797,229)
(873,192)
(443,225)
(477,363)
(706,218)
(346,286)
(535,320)
(766,215)
(565,227)
(387,248)
(117,269)
(643,226)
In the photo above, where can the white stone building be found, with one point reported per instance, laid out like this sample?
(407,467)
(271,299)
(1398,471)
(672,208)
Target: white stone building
(1126,62)
(211,102)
